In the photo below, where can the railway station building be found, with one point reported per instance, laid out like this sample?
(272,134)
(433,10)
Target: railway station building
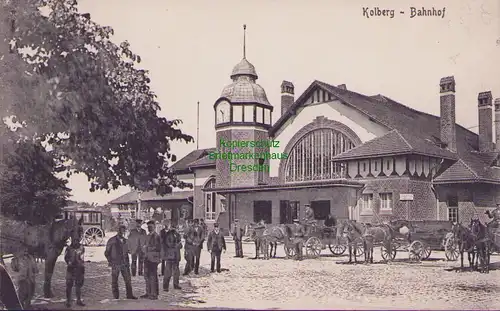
(357,156)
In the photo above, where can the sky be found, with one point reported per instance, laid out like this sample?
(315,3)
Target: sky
(190,48)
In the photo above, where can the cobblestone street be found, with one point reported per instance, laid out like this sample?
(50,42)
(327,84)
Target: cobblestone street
(313,284)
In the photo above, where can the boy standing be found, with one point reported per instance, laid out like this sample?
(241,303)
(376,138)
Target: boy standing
(75,271)
(25,266)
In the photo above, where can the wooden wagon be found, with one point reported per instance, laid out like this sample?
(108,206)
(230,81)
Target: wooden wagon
(421,238)
(319,237)
(93,234)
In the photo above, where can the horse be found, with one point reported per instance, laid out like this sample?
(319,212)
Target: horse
(483,243)
(265,239)
(8,295)
(467,241)
(44,241)
(367,235)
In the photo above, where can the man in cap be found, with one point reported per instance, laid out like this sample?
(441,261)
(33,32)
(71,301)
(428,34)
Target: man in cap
(171,255)
(189,249)
(75,271)
(215,245)
(136,241)
(117,255)
(309,215)
(152,250)
(237,234)
(298,236)
(495,215)
(197,237)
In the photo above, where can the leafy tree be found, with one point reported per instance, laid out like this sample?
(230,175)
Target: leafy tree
(30,189)
(70,86)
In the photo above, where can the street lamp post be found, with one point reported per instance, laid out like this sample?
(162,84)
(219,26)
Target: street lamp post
(139,209)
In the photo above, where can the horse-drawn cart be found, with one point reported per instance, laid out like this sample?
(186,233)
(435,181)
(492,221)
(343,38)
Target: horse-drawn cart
(318,238)
(420,238)
(93,234)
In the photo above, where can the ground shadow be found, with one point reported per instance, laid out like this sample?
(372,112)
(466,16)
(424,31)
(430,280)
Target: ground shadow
(97,289)
(493,267)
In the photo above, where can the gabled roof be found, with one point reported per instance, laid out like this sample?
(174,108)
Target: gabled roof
(394,143)
(183,165)
(132,197)
(408,122)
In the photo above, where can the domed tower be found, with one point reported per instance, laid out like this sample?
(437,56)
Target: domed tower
(242,120)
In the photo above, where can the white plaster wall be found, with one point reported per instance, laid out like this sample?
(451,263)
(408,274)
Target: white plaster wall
(203,175)
(333,110)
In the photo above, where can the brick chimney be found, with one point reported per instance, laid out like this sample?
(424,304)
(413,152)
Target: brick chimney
(485,112)
(497,124)
(447,119)
(342,86)
(287,96)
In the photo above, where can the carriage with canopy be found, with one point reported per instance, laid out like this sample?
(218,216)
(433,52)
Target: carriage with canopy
(93,224)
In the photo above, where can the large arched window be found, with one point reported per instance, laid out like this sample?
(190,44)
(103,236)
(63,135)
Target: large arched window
(210,200)
(311,157)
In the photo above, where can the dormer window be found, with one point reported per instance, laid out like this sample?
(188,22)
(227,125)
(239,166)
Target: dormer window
(259,115)
(237,113)
(267,116)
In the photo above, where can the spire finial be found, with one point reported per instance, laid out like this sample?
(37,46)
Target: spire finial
(244,41)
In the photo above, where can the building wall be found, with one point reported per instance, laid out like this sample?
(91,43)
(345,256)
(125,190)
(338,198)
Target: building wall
(473,200)
(333,110)
(340,199)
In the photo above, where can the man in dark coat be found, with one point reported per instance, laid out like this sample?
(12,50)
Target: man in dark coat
(197,237)
(189,249)
(171,254)
(216,244)
(237,234)
(136,240)
(75,271)
(152,250)
(117,255)
(298,238)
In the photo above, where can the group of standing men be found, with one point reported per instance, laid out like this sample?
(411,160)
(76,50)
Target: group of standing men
(150,249)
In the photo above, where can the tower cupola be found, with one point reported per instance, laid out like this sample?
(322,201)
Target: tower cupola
(243,102)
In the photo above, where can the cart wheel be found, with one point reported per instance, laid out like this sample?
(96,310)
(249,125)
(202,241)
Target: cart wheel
(93,236)
(416,251)
(313,247)
(289,251)
(386,256)
(359,250)
(337,249)
(451,249)
(426,252)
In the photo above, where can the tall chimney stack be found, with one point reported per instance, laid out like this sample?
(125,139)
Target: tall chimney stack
(447,107)
(287,96)
(497,124)
(485,113)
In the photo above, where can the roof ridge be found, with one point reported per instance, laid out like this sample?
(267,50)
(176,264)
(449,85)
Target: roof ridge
(469,168)
(404,139)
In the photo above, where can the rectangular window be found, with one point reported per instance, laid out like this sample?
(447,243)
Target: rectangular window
(210,203)
(366,203)
(260,172)
(262,210)
(237,113)
(289,210)
(386,201)
(249,114)
(259,114)
(267,116)
(321,209)
(452,203)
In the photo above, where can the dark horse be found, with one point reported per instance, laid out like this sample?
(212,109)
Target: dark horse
(466,243)
(44,241)
(8,294)
(483,244)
